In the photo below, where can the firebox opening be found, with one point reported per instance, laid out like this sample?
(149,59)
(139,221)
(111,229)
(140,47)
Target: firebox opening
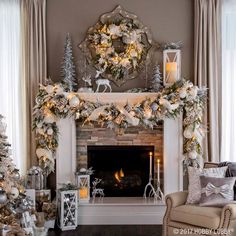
(124,170)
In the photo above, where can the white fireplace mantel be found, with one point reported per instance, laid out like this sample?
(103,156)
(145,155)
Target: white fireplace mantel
(173,142)
(172,147)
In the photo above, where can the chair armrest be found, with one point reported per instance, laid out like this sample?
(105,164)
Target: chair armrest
(176,199)
(228,214)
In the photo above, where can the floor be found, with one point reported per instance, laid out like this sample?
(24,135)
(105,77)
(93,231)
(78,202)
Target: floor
(111,230)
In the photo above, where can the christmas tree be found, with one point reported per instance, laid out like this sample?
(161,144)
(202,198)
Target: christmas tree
(157,82)
(11,191)
(68,67)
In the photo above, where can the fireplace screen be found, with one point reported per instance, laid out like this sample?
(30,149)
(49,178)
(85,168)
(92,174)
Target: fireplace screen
(124,170)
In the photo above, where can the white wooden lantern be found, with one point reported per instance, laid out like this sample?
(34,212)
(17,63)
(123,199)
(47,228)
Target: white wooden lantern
(84,188)
(68,209)
(171,66)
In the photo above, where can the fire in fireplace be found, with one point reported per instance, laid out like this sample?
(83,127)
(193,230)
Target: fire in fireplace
(124,170)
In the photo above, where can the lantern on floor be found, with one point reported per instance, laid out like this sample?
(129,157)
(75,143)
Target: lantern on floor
(68,209)
(171,66)
(84,188)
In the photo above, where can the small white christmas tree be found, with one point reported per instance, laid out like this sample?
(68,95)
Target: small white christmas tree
(157,82)
(11,190)
(68,72)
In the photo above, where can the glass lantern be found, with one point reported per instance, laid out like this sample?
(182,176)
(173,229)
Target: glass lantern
(84,188)
(171,66)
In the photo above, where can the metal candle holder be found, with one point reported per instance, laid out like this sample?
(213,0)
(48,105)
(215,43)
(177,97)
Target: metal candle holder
(157,194)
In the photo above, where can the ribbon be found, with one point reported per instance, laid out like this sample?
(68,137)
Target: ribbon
(223,190)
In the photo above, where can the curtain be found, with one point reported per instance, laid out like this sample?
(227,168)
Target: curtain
(207,69)
(22,68)
(228,150)
(10,79)
(34,63)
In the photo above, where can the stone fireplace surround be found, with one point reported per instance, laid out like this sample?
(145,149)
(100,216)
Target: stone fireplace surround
(121,210)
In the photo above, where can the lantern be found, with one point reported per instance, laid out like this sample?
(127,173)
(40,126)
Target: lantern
(84,188)
(68,209)
(171,66)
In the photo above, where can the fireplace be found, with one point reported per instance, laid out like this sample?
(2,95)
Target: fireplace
(124,170)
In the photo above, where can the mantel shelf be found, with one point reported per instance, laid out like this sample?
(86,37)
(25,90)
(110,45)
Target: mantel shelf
(118,98)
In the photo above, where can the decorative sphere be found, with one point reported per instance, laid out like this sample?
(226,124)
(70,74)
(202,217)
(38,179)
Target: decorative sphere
(16,174)
(14,192)
(49,89)
(3,196)
(74,101)
(50,131)
(154,106)
(1,176)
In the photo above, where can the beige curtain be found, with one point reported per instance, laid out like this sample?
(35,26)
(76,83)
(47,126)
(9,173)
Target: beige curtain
(33,64)
(207,68)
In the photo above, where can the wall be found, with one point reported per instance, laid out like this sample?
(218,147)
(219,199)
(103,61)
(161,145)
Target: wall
(168,20)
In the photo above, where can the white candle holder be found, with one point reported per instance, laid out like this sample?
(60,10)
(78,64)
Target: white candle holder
(158,193)
(149,184)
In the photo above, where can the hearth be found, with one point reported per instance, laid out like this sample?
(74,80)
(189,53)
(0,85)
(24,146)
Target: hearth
(124,170)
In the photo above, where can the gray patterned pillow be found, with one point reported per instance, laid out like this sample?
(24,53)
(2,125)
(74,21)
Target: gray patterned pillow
(217,191)
(194,187)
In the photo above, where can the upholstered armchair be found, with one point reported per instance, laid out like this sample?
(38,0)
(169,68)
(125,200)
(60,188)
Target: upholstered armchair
(188,220)
(192,220)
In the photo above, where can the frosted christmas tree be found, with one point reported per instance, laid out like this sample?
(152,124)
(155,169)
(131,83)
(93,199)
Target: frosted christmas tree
(11,191)
(157,82)
(68,72)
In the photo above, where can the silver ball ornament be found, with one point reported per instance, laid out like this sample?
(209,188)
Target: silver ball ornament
(3,196)
(1,176)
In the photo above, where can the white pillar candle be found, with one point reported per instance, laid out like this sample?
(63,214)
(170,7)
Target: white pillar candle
(158,170)
(150,162)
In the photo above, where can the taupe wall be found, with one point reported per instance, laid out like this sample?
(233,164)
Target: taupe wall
(169,20)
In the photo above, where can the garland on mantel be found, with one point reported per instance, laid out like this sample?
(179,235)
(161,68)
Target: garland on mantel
(53,103)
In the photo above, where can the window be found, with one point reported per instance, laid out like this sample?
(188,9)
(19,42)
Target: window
(10,83)
(228,148)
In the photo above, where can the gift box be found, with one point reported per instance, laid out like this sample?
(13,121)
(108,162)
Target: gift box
(35,178)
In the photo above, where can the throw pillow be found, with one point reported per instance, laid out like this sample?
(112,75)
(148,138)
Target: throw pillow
(231,172)
(216,192)
(194,187)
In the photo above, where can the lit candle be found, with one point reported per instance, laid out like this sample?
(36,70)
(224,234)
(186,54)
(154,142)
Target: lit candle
(83,192)
(171,72)
(150,162)
(158,170)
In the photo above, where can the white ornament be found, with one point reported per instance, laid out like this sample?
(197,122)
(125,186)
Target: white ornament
(49,89)
(14,192)
(50,131)
(193,92)
(59,89)
(49,118)
(188,132)
(193,154)
(183,93)
(115,30)
(74,101)
(82,170)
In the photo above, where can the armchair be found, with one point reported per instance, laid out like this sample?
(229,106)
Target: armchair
(192,220)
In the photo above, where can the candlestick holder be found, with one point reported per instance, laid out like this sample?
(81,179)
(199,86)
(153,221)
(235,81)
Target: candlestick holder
(152,191)
(158,193)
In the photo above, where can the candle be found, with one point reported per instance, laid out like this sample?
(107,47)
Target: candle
(150,162)
(158,170)
(171,72)
(83,193)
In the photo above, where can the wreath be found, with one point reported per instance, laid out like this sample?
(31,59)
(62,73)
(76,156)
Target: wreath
(118,47)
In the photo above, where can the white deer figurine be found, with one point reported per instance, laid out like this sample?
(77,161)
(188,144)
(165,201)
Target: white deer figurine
(97,191)
(87,79)
(100,82)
